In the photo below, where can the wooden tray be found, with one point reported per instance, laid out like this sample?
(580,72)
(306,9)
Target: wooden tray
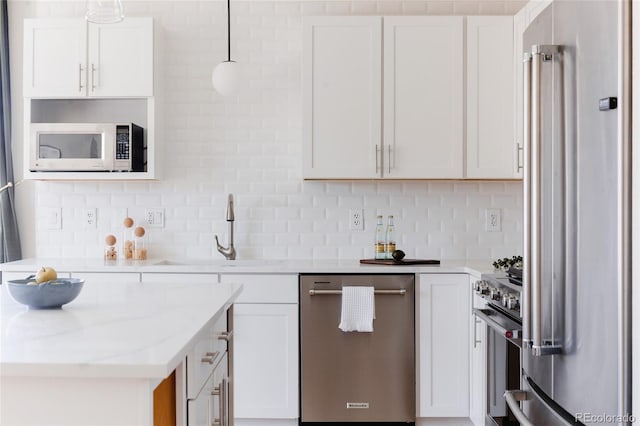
(400,262)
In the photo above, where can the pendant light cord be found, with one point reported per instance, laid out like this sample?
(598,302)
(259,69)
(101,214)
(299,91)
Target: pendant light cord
(229,30)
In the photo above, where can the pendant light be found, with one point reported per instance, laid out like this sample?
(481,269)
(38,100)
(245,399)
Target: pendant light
(225,75)
(104,11)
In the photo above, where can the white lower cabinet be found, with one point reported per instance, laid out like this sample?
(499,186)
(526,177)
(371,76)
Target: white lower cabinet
(442,333)
(265,354)
(478,376)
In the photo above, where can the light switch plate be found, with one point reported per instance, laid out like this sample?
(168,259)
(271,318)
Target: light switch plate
(53,218)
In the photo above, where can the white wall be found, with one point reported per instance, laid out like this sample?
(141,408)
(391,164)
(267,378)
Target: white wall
(250,145)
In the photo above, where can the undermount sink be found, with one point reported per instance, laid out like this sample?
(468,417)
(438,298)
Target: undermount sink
(220,263)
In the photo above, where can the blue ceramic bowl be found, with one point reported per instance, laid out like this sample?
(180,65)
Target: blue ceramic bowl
(48,295)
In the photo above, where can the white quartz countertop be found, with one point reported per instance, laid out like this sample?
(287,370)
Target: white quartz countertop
(244,266)
(119,330)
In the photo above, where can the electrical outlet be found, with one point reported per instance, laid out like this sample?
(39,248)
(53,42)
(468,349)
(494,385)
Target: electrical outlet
(493,220)
(90,218)
(356,220)
(154,217)
(53,218)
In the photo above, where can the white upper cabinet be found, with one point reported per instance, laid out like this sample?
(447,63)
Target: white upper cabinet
(342,96)
(55,58)
(344,114)
(423,89)
(121,58)
(491,148)
(70,58)
(384,97)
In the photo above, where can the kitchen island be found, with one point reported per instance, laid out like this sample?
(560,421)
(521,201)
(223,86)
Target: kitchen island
(98,360)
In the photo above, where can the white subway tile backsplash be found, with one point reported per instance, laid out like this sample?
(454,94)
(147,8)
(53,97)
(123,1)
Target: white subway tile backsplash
(250,145)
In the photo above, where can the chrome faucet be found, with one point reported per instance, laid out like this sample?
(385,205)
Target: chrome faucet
(228,252)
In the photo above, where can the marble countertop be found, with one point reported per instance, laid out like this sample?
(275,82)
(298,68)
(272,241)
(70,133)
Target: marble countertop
(244,266)
(116,330)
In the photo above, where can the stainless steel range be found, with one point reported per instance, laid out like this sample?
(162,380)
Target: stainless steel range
(502,314)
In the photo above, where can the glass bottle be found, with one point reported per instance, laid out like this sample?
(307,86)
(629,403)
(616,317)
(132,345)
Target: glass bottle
(390,245)
(139,244)
(110,250)
(379,241)
(127,239)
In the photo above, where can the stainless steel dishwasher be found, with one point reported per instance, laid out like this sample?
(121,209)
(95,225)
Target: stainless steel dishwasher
(357,377)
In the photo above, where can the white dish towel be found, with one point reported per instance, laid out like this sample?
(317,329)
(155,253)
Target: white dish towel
(358,309)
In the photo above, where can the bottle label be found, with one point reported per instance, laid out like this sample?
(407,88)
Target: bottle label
(391,247)
(379,248)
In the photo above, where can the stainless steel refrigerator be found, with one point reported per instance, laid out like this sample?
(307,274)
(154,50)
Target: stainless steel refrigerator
(576,330)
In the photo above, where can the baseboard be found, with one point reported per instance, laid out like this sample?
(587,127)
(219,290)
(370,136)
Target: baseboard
(265,422)
(440,421)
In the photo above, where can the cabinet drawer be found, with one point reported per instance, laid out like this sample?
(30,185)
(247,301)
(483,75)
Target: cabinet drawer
(264,288)
(211,405)
(205,355)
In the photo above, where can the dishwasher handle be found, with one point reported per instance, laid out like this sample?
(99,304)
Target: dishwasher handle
(400,292)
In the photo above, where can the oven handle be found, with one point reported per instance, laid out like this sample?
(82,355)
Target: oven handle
(485,315)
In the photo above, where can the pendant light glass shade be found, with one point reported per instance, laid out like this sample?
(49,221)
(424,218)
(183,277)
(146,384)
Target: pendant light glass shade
(104,11)
(225,77)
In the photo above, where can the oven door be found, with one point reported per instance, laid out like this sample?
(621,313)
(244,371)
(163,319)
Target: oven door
(503,363)
(71,147)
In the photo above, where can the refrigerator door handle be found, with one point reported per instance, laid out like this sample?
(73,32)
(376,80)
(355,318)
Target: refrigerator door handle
(539,54)
(526,140)
(513,398)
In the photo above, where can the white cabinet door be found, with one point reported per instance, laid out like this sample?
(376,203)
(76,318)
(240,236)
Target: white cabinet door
(342,89)
(55,58)
(265,361)
(478,382)
(69,58)
(443,345)
(121,58)
(265,346)
(423,103)
(490,145)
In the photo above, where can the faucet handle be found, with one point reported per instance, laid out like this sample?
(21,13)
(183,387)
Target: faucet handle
(230,213)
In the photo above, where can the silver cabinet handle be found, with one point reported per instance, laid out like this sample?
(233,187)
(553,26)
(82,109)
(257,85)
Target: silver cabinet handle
(377,158)
(93,77)
(224,414)
(209,357)
(519,166)
(389,158)
(226,336)
(475,332)
(539,54)
(513,398)
(80,86)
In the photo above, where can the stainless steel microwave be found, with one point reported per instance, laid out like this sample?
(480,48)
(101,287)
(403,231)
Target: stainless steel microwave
(81,147)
